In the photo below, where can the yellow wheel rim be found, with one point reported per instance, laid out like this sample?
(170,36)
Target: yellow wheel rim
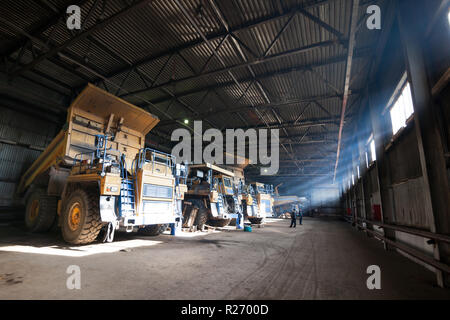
(74,217)
(34,212)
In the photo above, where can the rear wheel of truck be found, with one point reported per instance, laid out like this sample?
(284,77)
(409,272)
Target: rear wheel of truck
(187,208)
(40,211)
(218,222)
(153,229)
(255,220)
(202,214)
(80,219)
(201,218)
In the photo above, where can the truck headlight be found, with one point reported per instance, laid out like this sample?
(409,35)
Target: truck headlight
(112,189)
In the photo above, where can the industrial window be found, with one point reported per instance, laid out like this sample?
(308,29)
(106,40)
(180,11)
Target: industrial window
(353,179)
(401,109)
(367,160)
(359,173)
(373,155)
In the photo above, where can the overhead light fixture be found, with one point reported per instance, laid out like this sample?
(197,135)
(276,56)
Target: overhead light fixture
(186,121)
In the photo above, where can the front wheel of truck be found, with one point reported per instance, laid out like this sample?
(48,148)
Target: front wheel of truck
(80,219)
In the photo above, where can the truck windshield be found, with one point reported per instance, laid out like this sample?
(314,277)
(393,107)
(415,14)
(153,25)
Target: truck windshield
(227,182)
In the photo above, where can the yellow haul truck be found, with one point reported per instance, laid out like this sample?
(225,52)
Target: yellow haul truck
(264,198)
(96,176)
(211,195)
(249,203)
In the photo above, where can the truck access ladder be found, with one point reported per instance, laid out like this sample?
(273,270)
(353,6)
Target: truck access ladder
(127,198)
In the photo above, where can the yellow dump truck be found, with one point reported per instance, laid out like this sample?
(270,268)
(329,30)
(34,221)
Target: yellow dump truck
(96,176)
(250,208)
(211,197)
(264,198)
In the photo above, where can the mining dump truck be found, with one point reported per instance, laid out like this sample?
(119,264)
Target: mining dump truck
(211,197)
(249,204)
(264,199)
(96,176)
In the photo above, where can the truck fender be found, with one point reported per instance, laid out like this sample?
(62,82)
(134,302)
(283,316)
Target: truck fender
(108,209)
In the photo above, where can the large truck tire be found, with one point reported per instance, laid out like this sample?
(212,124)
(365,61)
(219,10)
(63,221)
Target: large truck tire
(202,214)
(187,208)
(255,220)
(201,218)
(80,219)
(153,229)
(40,211)
(218,222)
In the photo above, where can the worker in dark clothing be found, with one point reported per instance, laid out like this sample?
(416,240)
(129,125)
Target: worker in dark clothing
(293,219)
(300,216)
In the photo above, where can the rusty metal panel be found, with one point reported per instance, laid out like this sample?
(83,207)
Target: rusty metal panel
(404,158)
(409,200)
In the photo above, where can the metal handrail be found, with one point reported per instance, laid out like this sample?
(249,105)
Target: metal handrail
(170,160)
(100,146)
(75,159)
(411,251)
(413,231)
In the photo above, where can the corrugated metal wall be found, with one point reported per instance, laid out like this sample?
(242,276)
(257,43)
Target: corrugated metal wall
(407,182)
(22,139)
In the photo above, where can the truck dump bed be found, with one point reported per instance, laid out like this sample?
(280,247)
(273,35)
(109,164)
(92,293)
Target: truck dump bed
(93,112)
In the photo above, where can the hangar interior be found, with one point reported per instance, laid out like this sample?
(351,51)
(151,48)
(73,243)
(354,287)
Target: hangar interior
(362,111)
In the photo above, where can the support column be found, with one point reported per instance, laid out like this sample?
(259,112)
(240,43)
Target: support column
(413,18)
(380,127)
(362,160)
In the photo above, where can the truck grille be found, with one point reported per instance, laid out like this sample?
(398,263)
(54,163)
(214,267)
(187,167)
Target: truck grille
(155,191)
(157,207)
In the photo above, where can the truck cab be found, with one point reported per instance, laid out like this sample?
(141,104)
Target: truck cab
(264,198)
(212,194)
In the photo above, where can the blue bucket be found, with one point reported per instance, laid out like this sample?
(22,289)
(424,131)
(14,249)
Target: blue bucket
(247,228)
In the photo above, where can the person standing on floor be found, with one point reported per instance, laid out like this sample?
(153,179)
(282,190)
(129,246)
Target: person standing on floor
(300,216)
(293,219)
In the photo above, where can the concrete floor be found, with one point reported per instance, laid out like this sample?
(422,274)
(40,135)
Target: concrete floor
(322,259)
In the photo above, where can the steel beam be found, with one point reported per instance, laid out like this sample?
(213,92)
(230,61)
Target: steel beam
(81,36)
(39,28)
(293,175)
(261,107)
(290,124)
(348,72)
(360,53)
(227,69)
(219,35)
